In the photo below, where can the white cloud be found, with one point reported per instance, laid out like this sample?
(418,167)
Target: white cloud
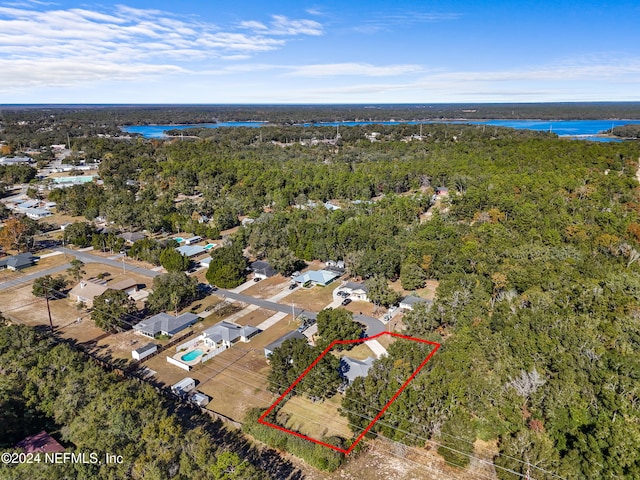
(61,47)
(353,69)
(281,25)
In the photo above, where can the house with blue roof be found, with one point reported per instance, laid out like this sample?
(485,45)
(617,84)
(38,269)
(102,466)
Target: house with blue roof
(316,277)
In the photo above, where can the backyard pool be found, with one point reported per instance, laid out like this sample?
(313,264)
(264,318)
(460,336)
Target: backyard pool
(178,239)
(209,246)
(192,355)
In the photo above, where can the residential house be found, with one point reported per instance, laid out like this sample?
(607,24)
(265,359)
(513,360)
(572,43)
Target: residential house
(316,277)
(128,285)
(165,324)
(18,262)
(39,443)
(192,240)
(268,350)
(224,334)
(410,301)
(36,213)
(357,291)
(262,269)
(87,290)
(191,250)
(131,237)
(350,368)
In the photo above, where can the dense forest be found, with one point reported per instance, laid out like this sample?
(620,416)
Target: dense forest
(46,384)
(535,250)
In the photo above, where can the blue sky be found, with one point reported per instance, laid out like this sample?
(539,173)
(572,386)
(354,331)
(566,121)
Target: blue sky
(319,51)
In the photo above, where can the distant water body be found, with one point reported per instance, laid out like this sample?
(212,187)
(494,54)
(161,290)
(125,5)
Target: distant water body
(578,129)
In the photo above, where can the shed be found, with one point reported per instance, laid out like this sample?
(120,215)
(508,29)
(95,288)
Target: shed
(183,386)
(200,399)
(144,351)
(192,240)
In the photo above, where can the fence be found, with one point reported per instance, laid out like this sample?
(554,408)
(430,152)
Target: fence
(178,363)
(212,354)
(187,344)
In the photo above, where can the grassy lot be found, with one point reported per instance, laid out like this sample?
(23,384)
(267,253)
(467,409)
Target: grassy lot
(316,420)
(428,292)
(41,265)
(314,298)
(359,352)
(21,306)
(366,308)
(268,287)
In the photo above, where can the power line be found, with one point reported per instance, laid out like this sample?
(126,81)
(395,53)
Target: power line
(470,456)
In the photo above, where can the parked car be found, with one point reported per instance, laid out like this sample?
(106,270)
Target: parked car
(256,279)
(293,286)
(346,301)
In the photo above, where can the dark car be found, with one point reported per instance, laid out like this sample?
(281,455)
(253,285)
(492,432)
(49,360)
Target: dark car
(292,286)
(346,301)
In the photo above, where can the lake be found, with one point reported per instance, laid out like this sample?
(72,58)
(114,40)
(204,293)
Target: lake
(578,129)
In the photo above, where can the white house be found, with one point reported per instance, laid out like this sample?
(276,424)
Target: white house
(358,291)
(410,301)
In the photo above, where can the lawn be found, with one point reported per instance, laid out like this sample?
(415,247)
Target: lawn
(268,287)
(314,298)
(314,419)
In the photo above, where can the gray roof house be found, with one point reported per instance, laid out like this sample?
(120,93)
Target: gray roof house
(317,277)
(190,250)
(410,301)
(268,350)
(356,290)
(350,368)
(225,333)
(165,324)
(17,262)
(131,237)
(262,269)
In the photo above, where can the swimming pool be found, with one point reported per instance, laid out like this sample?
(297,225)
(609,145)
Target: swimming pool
(178,239)
(192,355)
(209,246)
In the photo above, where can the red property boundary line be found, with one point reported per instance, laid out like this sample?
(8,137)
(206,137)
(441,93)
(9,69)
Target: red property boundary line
(377,417)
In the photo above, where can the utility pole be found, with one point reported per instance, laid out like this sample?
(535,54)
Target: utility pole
(46,296)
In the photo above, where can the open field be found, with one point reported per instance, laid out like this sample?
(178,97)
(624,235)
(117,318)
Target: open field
(359,352)
(428,291)
(314,298)
(316,420)
(268,287)
(366,308)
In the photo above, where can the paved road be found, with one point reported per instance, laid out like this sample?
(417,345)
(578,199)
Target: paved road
(90,258)
(260,302)
(374,326)
(20,279)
